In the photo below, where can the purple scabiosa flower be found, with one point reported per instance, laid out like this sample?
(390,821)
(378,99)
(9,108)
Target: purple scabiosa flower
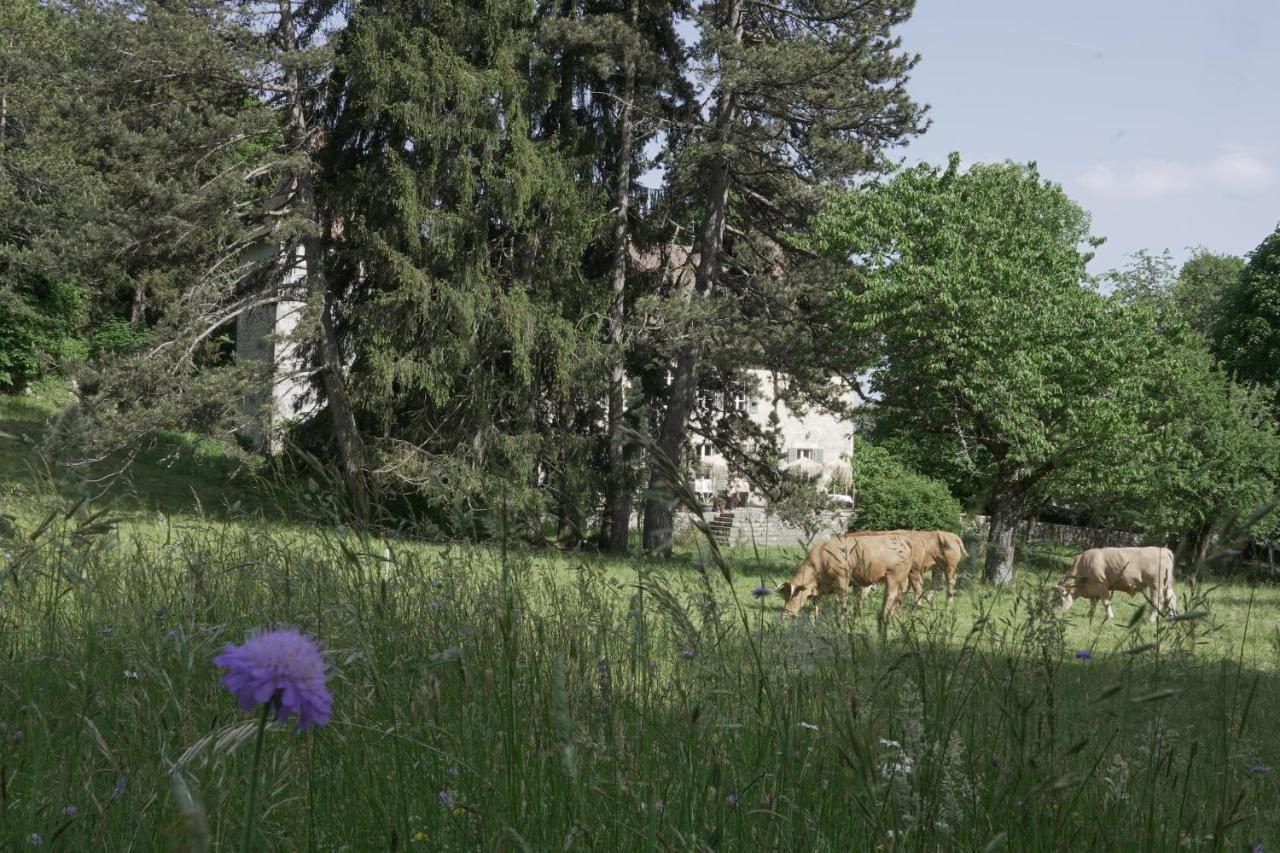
(731,801)
(70,811)
(446,799)
(282,669)
(659,805)
(34,839)
(118,791)
(1084,654)
(687,654)
(1260,770)
(1256,847)
(761,591)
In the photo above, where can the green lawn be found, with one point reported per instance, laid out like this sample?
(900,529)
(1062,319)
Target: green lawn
(509,699)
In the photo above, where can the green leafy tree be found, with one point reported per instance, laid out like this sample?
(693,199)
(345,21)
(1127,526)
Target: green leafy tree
(973,287)
(1246,333)
(1202,281)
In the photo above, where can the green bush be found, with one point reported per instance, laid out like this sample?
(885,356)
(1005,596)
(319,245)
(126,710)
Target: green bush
(116,335)
(891,496)
(39,329)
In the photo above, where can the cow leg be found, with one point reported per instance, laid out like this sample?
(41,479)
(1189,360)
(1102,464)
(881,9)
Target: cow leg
(952,573)
(917,584)
(892,592)
(1111,614)
(1093,608)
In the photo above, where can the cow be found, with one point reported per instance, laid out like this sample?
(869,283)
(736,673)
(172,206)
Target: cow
(1098,572)
(831,567)
(938,550)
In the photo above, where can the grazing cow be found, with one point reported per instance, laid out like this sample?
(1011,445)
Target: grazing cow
(830,567)
(1098,572)
(938,550)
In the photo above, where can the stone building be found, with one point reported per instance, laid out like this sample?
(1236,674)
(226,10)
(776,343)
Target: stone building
(264,334)
(817,443)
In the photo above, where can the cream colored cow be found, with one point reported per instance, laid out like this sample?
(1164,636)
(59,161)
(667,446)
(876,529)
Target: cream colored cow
(1098,572)
(939,551)
(834,565)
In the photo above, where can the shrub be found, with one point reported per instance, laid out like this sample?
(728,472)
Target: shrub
(891,496)
(38,331)
(116,335)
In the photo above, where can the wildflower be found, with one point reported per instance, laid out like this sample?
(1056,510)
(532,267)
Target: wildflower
(419,837)
(810,726)
(766,800)
(1256,848)
(70,811)
(659,805)
(761,591)
(995,761)
(34,839)
(1084,654)
(118,791)
(687,654)
(1260,770)
(458,811)
(731,800)
(282,669)
(445,798)
(131,673)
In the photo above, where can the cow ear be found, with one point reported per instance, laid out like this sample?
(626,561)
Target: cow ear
(785,590)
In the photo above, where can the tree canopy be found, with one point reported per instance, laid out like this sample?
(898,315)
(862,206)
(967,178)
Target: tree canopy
(990,337)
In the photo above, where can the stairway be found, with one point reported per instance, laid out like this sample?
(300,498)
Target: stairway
(721,528)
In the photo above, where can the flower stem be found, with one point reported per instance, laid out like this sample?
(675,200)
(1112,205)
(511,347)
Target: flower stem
(251,809)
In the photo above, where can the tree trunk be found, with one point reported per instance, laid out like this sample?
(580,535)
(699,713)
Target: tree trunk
(675,422)
(1271,557)
(1005,516)
(346,434)
(138,310)
(660,503)
(616,526)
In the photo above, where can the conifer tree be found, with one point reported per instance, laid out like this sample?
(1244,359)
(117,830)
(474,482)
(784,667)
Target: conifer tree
(803,93)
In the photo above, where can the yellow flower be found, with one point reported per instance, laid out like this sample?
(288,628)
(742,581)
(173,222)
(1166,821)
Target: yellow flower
(419,837)
(458,811)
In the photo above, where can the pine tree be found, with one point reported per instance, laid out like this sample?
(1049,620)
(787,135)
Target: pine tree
(804,94)
(462,238)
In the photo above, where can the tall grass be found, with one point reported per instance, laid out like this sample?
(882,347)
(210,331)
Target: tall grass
(500,699)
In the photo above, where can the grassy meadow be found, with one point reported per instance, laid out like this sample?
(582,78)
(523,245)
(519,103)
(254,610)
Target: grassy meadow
(500,698)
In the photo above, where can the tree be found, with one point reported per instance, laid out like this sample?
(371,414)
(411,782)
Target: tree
(618,69)
(1202,281)
(802,93)
(1246,334)
(463,228)
(973,287)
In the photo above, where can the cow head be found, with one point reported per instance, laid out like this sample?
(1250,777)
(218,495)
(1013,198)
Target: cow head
(796,595)
(1063,597)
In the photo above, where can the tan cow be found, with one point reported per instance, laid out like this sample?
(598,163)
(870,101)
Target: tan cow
(1098,572)
(938,550)
(831,567)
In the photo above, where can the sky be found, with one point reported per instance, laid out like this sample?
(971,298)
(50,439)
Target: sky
(1160,118)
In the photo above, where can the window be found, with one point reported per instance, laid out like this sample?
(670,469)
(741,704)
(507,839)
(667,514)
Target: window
(738,402)
(705,450)
(798,453)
